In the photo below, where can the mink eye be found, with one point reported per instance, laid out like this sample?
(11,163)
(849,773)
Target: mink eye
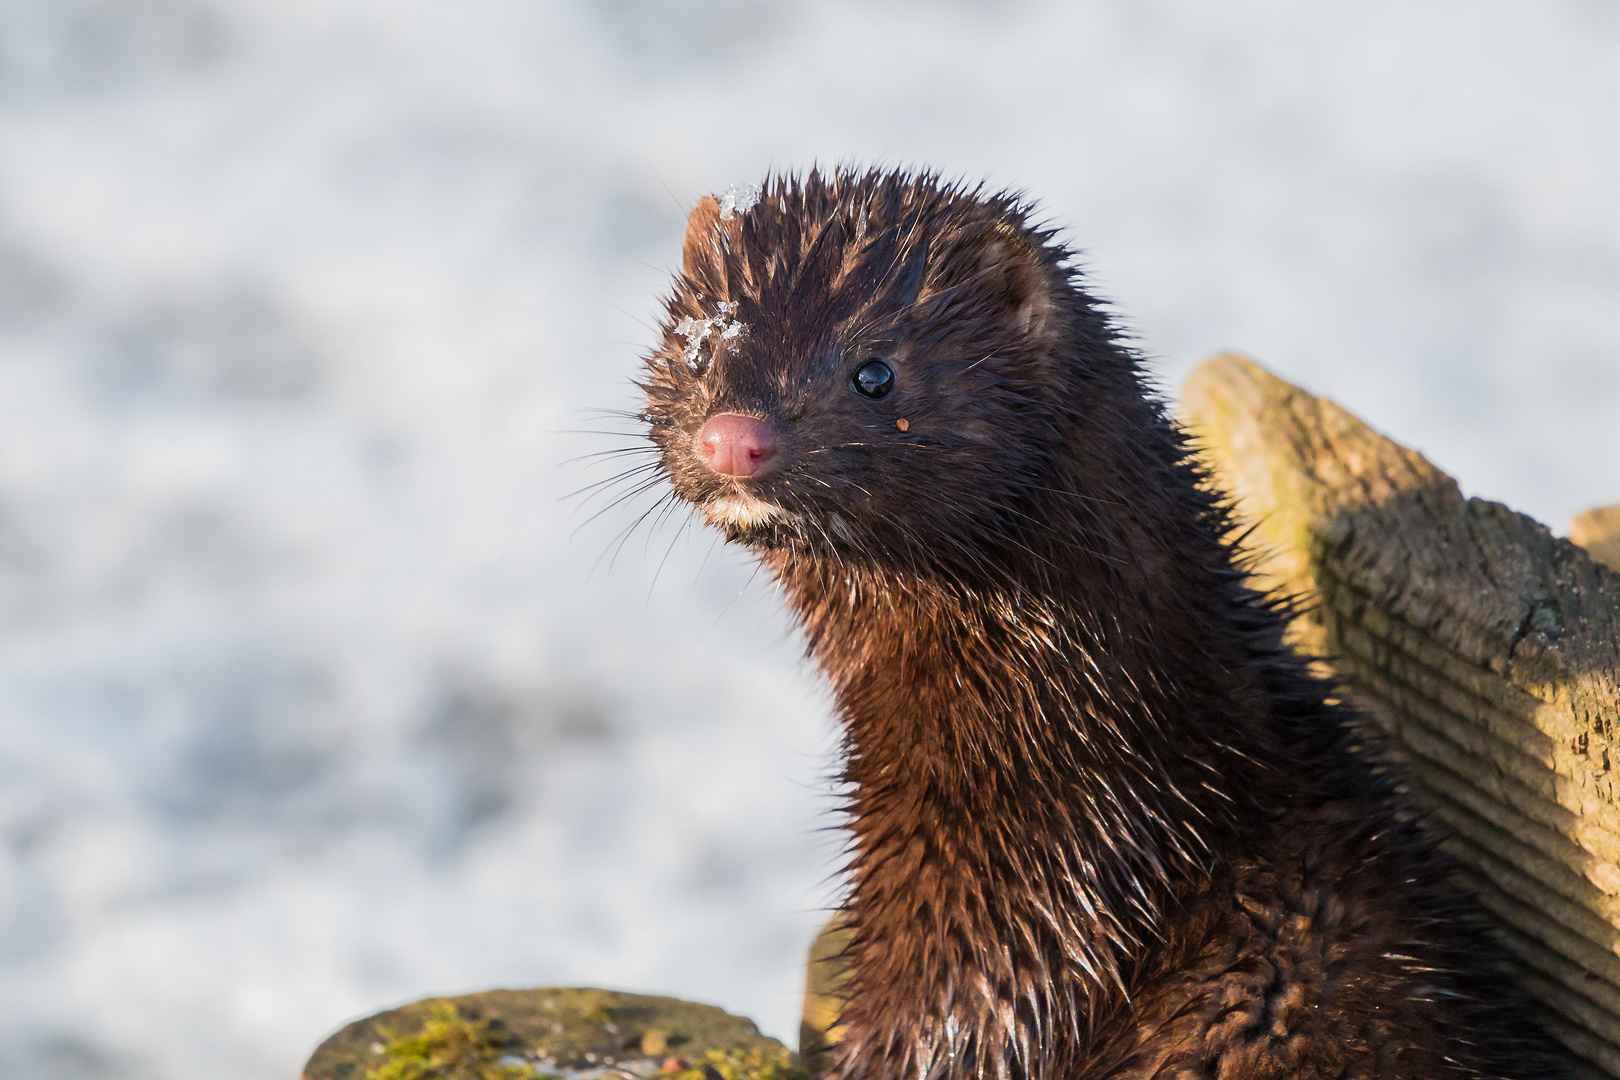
(873,379)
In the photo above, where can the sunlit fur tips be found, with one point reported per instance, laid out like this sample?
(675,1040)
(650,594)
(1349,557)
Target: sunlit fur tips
(1102,821)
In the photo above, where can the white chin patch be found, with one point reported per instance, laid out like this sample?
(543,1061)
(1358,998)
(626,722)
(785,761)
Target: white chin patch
(744,511)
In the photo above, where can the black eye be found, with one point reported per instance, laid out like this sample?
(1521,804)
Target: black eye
(873,379)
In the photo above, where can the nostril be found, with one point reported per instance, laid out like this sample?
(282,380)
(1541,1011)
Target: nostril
(735,445)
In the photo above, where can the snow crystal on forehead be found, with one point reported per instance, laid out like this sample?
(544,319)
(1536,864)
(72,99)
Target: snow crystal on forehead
(696,331)
(738,199)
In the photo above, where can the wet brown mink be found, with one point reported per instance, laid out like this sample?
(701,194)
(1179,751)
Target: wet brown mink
(1103,822)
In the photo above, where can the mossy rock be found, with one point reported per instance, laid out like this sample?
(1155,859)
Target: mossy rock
(554,1031)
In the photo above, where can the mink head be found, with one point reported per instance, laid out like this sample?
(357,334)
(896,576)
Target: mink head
(870,366)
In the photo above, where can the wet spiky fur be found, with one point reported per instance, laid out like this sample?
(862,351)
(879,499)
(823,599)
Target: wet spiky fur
(1103,822)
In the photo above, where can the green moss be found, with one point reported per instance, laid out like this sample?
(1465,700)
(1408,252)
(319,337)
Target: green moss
(558,1029)
(597,1012)
(758,1063)
(448,1047)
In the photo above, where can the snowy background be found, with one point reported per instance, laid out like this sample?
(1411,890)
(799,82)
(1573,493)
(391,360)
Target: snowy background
(312,702)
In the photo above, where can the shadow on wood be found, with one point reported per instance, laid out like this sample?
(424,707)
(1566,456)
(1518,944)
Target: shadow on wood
(1487,649)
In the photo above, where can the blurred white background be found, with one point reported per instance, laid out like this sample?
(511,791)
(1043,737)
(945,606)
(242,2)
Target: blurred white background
(310,702)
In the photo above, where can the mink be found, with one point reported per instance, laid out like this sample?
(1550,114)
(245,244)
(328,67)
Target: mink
(1103,821)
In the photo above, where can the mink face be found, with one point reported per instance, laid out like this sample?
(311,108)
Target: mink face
(862,370)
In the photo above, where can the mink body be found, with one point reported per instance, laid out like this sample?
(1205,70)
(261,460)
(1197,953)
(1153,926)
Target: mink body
(1104,823)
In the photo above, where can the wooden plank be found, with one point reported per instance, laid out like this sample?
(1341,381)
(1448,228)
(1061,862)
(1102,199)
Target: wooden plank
(1486,648)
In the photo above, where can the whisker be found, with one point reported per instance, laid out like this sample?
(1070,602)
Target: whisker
(757,567)
(929,446)
(1077,495)
(625,533)
(977,362)
(610,453)
(593,431)
(650,328)
(645,486)
(666,187)
(712,545)
(667,553)
(658,522)
(615,478)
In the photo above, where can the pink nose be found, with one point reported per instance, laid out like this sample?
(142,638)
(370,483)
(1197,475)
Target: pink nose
(735,445)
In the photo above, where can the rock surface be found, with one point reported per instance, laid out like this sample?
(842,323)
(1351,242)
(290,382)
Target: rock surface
(1485,647)
(579,1034)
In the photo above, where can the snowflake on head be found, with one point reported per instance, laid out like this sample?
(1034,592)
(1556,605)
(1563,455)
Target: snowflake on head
(696,331)
(738,199)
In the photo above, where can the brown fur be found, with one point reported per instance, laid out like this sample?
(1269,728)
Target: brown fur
(1103,823)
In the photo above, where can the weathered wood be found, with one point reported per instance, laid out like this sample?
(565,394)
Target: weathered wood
(1598,531)
(1486,648)
(823,994)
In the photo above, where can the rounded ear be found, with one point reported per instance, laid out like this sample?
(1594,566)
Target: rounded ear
(991,273)
(700,225)
(1015,279)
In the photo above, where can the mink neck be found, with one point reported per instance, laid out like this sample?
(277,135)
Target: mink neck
(1038,764)
(1108,688)
(1108,672)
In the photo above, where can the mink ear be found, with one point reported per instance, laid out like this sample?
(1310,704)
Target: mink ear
(1012,274)
(700,225)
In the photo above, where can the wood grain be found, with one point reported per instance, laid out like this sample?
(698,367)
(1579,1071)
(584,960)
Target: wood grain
(1485,647)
